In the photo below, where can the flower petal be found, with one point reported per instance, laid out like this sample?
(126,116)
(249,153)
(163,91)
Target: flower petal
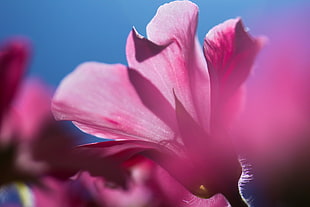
(122,150)
(173,60)
(230,52)
(121,154)
(193,136)
(217,200)
(176,195)
(13,60)
(32,107)
(100,99)
(153,99)
(70,159)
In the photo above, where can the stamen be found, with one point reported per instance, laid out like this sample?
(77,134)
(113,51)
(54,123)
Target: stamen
(202,192)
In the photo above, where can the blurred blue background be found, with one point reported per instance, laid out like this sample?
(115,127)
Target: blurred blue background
(65,33)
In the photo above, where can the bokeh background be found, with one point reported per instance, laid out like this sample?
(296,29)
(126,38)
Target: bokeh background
(65,33)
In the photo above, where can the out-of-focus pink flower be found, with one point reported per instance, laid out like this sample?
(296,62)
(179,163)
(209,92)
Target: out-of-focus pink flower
(86,190)
(22,126)
(140,191)
(13,60)
(29,135)
(149,185)
(65,193)
(275,124)
(171,104)
(34,138)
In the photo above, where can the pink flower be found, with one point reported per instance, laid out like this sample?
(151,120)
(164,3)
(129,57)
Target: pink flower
(276,119)
(13,60)
(171,104)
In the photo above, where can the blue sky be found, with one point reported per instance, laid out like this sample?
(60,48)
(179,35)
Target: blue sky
(65,33)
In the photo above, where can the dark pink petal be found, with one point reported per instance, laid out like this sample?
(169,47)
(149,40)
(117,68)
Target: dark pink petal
(171,58)
(13,60)
(178,165)
(150,184)
(100,99)
(215,163)
(123,150)
(230,52)
(193,136)
(69,160)
(180,196)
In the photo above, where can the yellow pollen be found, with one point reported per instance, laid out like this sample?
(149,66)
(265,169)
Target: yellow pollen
(203,188)
(202,192)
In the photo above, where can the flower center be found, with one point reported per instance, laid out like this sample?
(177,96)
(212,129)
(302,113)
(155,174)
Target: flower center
(202,192)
